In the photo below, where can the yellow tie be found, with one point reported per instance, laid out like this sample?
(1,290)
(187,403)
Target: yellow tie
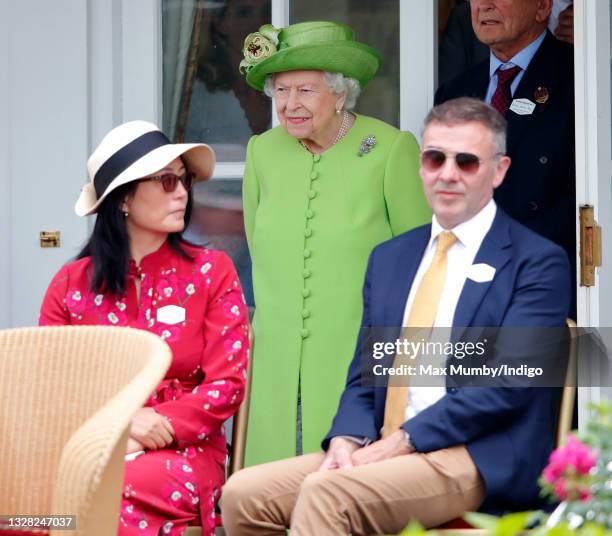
(422,315)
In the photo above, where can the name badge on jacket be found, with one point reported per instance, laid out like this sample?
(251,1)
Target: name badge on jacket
(171,314)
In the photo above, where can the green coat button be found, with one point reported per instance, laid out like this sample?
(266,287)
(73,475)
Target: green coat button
(308,232)
(312,194)
(305,292)
(306,273)
(316,157)
(307,253)
(305,313)
(310,213)
(314,175)
(305,333)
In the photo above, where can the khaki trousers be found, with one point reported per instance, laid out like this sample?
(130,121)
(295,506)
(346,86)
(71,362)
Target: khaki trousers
(381,497)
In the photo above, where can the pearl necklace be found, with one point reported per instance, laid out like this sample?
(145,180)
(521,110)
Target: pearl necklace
(344,127)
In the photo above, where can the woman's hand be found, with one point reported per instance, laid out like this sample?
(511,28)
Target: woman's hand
(151,430)
(133,446)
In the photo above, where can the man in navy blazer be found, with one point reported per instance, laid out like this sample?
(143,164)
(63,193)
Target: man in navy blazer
(461,448)
(539,190)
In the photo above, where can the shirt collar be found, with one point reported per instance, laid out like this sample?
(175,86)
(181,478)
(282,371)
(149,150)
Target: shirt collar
(522,58)
(152,260)
(470,232)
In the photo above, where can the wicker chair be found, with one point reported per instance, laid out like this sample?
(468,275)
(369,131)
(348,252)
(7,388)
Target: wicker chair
(67,397)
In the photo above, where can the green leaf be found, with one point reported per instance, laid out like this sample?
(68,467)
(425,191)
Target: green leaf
(482,521)
(512,524)
(414,529)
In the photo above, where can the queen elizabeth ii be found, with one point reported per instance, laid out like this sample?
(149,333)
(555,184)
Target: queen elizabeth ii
(320,191)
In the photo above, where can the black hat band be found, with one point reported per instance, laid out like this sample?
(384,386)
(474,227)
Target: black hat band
(125,157)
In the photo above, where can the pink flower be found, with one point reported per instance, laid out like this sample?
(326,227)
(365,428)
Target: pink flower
(573,456)
(76,301)
(233,307)
(168,333)
(167,286)
(567,473)
(560,490)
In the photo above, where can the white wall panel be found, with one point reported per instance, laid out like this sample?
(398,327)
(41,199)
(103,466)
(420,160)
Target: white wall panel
(45,104)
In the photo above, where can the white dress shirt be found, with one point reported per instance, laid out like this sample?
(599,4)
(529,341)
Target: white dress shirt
(460,258)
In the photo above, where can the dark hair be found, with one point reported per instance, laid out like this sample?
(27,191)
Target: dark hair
(109,244)
(467,110)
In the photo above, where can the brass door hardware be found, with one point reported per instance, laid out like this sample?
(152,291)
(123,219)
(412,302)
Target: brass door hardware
(590,245)
(49,239)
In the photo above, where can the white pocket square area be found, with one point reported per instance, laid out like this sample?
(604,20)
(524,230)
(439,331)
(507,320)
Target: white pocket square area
(481,273)
(171,314)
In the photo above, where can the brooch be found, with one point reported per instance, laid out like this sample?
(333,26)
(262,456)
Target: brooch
(367,145)
(541,95)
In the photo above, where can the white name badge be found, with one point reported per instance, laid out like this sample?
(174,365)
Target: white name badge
(171,314)
(481,273)
(522,106)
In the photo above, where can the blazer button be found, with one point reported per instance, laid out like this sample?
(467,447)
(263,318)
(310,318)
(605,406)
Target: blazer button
(307,253)
(305,313)
(312,194)
(304,333)
(452,390)
(314,175)
(306,273)
(310,214)
(533,206)
(308,232)
(316,157)
(543,160)
(305,292)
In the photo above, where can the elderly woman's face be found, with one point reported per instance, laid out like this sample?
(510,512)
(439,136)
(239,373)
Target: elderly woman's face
(305,104)
(152,210)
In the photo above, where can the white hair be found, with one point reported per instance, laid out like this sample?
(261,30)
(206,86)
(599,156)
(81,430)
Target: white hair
(337,83)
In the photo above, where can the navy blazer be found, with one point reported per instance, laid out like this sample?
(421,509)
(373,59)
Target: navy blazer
(539,190)
(509,432)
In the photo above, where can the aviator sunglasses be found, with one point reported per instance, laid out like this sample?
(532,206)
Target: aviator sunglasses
(468,163)
(169,181)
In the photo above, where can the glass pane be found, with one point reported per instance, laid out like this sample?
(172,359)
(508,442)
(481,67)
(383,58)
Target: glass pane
(458,47)
(217,222)
(376,23)
(205,98)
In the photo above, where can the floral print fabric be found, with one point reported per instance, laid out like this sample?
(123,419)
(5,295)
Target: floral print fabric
(196,306)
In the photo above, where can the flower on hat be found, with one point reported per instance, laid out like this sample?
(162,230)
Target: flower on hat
(258,46)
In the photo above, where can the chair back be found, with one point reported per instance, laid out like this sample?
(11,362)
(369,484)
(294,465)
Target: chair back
(568,395)
(67,397)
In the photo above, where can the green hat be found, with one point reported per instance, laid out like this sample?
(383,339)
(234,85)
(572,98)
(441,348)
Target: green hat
(324,46)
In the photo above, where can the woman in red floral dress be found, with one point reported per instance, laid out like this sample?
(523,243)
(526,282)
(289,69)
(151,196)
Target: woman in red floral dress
(137,271)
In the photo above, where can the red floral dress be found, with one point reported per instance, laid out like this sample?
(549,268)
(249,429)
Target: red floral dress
(196,306)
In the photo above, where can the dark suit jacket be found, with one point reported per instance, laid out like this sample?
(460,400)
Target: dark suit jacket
(539,190)
(509,432)
(459,49)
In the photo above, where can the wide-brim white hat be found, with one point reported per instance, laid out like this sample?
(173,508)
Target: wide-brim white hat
(132,151)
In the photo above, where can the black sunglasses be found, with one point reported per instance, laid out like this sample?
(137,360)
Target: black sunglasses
(468,163)
(169,181)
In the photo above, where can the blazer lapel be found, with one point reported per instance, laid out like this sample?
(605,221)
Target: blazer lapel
(539,74)
(494,251)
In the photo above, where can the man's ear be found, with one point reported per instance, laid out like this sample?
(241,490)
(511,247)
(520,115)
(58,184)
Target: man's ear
(544,9)
(501,169)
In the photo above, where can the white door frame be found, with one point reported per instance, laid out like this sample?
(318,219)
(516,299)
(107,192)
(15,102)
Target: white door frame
(593,156)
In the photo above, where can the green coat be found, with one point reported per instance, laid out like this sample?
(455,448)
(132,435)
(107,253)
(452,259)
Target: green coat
(311,222)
